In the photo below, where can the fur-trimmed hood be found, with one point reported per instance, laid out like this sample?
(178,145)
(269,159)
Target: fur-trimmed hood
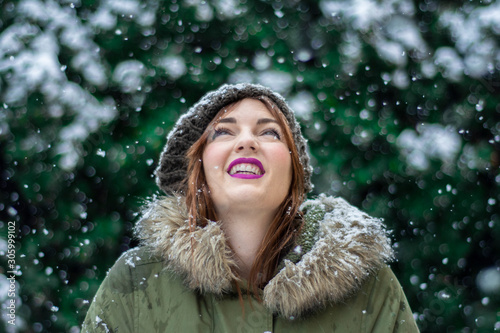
(338,249)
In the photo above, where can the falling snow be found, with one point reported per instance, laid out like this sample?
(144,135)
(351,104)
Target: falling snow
(398,100)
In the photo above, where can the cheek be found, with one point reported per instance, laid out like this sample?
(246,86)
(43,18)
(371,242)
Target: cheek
(283,159)
(213,160)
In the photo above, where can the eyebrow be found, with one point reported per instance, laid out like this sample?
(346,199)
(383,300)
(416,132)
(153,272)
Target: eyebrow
(227,120)
(261,121)
(266,121)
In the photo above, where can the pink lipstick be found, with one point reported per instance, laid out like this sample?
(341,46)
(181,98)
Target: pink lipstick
(257,170)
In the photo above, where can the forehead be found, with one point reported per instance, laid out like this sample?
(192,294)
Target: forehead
(247,109)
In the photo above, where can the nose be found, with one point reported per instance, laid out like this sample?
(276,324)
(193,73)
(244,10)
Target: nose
(247,141)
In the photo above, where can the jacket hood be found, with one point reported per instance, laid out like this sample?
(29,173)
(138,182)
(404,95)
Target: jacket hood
(338,249)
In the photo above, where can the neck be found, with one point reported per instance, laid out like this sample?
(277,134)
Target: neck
(245,232)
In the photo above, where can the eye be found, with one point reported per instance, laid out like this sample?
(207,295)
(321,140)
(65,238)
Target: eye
(273,132)
(220,131)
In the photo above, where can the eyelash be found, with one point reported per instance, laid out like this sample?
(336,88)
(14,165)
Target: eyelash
(275,132)
(219,131)
(222,130)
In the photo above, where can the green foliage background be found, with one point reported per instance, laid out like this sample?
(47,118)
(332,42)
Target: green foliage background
(148,61)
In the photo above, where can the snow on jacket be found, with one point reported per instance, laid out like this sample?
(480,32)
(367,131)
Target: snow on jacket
(334,280)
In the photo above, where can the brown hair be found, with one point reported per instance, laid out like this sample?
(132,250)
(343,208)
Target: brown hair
(288,220)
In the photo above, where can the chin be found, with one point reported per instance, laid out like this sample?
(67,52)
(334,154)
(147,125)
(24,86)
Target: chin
(260,200)
(248,195)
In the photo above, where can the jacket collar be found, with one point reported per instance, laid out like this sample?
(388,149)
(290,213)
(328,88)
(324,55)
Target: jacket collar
(338,249)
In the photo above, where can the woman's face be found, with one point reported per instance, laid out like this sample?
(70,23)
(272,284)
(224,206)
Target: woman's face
(246,161)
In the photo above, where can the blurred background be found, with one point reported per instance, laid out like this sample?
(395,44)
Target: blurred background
(399,101)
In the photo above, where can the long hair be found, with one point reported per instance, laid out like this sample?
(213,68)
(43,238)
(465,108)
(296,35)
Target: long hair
(287,222)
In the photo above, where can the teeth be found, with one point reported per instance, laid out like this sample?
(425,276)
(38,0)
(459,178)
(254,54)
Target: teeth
(245,168)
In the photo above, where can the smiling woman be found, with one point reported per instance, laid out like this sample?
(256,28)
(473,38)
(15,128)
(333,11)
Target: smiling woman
(244,161)
(234,246)
(247,164)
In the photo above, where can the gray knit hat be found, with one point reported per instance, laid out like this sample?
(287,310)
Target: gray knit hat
(172,169)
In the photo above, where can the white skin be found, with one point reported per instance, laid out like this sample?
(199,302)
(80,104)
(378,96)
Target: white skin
(247,207)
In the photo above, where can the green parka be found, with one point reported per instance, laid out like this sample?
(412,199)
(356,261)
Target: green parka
(334,280)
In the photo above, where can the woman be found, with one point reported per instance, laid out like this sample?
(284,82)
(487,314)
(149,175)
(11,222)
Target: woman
(233,246)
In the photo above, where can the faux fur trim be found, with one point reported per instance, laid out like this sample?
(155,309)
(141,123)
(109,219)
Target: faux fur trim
(348,247)
(201,257)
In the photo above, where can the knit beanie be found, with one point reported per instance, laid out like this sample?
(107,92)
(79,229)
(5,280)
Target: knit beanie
(172,169)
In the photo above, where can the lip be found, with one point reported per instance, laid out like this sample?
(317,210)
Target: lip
(249,160)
